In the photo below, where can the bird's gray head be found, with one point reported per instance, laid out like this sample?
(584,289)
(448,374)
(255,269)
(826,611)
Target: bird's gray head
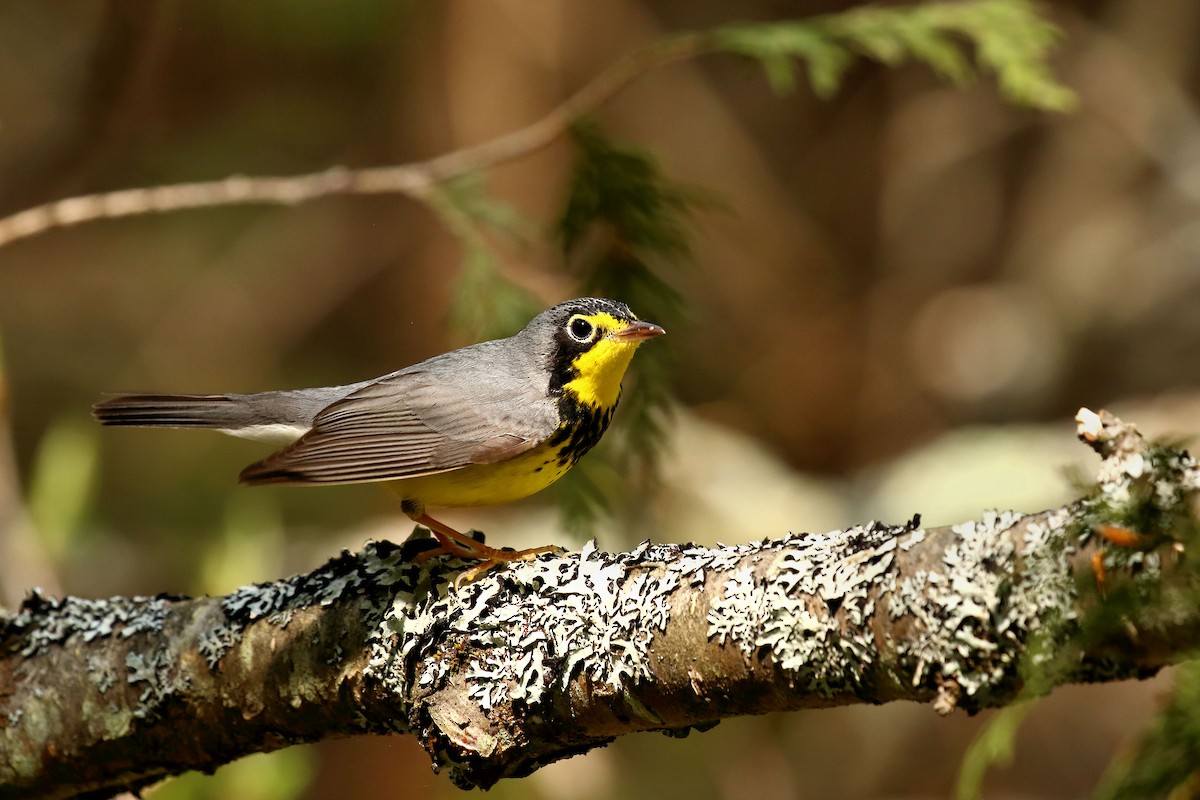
(558,316)
(576,324)
(606,329)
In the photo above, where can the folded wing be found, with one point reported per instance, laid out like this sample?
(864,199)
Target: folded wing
(411,424)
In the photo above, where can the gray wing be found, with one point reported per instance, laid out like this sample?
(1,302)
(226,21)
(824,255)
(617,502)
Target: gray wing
(415,422)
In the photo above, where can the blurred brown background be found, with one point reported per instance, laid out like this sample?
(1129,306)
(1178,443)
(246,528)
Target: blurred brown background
(913,289)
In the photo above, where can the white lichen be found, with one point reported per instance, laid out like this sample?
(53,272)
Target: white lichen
(153,670)
(582,613)
(49,621)
(805,602)
(975,615)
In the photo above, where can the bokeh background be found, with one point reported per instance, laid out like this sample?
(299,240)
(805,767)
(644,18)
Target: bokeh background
(905,295)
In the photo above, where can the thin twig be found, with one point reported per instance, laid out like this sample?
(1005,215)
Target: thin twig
(414,179)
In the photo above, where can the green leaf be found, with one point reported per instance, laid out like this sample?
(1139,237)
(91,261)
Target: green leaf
(250,545)
(993,745)
(1012,41)
(1009,39)
(1166,762)
(63,478)
(468,194)
(281,775)
(625,225)
(777,46)
(486,303)
(585,493)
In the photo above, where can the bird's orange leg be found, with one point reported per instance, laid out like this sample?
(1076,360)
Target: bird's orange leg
(458,544)
(1100,572)
(1121,537)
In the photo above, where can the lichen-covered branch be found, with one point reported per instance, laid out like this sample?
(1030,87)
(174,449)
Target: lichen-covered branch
(548,658)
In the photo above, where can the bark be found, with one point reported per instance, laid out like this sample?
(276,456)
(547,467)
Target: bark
(548,658)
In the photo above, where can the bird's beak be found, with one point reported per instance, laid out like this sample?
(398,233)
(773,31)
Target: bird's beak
(637,332)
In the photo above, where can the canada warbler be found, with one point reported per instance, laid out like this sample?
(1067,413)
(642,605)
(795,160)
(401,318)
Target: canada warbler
(490,423)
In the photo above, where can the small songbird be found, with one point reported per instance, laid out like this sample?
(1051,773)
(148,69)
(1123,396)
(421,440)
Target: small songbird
(486,424)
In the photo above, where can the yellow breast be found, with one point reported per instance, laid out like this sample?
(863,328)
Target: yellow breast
(485,484)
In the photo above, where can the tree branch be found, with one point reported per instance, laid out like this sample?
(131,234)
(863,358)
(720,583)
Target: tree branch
(546,659)
(415,179)
(1010,38)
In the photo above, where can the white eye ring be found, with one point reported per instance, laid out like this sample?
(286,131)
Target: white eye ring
(580,329)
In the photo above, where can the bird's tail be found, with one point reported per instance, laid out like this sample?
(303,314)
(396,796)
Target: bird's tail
(173,411)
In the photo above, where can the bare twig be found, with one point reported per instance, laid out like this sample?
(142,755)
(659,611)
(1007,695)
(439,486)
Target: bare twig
(415,179)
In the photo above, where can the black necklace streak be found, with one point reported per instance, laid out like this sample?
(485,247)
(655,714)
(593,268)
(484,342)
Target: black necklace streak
(580,426)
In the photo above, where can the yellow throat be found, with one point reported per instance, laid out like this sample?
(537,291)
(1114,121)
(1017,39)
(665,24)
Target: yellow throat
(599,370)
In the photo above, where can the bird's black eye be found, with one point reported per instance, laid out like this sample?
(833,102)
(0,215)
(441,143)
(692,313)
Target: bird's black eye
(580,329)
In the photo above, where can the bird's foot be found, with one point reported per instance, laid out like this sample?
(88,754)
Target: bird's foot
(467,548)
(498,558)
